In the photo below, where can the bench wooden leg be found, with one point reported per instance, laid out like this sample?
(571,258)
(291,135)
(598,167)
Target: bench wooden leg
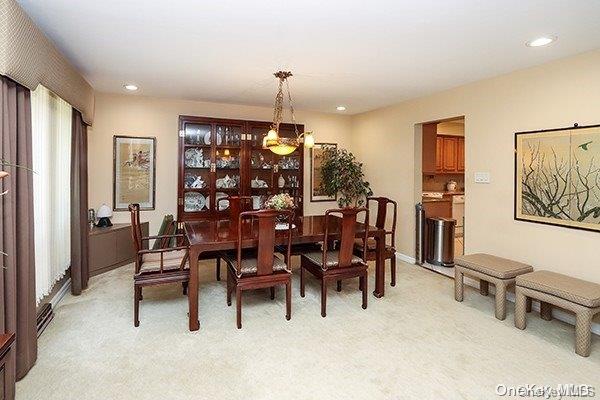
(520,309)
(500,301)
(484,287)
(459,284)
(583,333)
(546,311)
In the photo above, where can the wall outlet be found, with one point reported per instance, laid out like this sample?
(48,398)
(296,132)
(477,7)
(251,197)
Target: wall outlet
(482,177)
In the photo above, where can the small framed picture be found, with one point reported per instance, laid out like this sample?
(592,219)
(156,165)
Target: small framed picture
(316,158)
(134,172)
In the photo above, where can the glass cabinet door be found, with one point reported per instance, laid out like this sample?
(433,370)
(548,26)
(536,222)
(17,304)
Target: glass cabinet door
(262,164)
(228,165)
(196,165)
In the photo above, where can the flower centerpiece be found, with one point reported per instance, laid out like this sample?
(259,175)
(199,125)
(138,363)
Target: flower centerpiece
(281,201)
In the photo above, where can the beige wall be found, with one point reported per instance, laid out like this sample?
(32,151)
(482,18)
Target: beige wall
(549,96)
(144,116)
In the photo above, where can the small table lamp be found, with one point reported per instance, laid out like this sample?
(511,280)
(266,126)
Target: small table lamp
(104,214)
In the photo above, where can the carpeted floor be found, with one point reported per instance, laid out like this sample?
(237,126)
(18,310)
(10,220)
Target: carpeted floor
(415,343)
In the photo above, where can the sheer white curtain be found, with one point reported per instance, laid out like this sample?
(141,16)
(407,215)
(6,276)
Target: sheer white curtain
(51,128)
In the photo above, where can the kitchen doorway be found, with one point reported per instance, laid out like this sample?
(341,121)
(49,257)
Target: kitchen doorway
(442,175)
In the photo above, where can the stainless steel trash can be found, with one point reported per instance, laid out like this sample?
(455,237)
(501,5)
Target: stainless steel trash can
(440,241)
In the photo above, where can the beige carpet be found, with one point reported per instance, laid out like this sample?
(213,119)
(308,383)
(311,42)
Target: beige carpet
(416,343)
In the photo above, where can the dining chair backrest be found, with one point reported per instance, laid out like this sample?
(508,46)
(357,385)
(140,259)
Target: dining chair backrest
(167,227)
(237,205)
(136,227)
(382,208)
(347,233)
(262,225)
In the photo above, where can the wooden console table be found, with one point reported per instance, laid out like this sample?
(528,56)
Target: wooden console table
(7,387)
(111,247)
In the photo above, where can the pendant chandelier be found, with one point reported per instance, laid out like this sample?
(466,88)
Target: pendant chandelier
(273,140)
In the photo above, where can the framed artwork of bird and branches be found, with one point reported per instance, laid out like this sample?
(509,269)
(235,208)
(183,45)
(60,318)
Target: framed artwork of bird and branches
(557,177)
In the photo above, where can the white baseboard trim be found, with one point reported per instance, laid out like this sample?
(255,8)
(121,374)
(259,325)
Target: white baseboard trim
(405,258)
(66,287)
(449,272)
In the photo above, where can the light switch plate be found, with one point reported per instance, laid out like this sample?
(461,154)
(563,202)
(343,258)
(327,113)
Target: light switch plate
(482,177)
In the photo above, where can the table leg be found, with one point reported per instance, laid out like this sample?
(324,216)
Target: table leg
(193,291)
(379,266)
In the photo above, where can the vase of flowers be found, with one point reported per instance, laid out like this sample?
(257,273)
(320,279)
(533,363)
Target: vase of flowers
(282,201)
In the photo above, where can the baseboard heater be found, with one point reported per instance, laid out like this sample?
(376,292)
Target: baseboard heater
(44,317)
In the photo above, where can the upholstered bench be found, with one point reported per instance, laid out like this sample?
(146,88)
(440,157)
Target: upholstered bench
(488,269)
(550,288)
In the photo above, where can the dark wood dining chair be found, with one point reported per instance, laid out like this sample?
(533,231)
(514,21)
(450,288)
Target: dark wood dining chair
(236,205)
(380,223)
(341,263)
(156,266)
(259,267)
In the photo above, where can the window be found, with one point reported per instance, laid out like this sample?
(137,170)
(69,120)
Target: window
(51,148)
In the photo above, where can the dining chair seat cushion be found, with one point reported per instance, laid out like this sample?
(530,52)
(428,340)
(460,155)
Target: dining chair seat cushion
(167,255)
(250,263)
(169,264)
(331,260)
(371,246)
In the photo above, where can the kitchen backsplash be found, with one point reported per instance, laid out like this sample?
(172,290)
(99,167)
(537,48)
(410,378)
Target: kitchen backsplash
(437,183)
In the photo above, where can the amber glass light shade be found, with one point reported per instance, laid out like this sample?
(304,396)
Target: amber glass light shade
(283,146)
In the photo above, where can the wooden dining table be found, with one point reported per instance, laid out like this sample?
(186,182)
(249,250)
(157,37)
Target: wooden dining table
(221,235)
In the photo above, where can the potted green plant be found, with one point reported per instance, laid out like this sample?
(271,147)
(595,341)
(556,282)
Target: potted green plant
(343,175)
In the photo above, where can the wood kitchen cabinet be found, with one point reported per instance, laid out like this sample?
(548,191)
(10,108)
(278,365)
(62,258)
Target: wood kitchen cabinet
(439,208)
(449,154)
(442,154)
(460,154)
(439,154)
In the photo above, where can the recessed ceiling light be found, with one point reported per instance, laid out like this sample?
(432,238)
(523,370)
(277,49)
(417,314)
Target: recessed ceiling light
(541,41)
(341,108)
(131,87)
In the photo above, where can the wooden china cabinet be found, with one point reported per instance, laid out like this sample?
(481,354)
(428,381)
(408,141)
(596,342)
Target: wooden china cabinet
(224,157)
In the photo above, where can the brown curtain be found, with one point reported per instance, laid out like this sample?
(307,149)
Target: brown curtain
(16,228)
(79,205)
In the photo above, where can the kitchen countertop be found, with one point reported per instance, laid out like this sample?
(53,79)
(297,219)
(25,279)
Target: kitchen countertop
(447,197)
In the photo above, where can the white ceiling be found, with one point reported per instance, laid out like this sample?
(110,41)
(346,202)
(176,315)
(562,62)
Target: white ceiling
(362,54)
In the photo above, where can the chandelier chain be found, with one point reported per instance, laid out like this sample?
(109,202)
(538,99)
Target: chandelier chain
(278,107)
(287,84)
